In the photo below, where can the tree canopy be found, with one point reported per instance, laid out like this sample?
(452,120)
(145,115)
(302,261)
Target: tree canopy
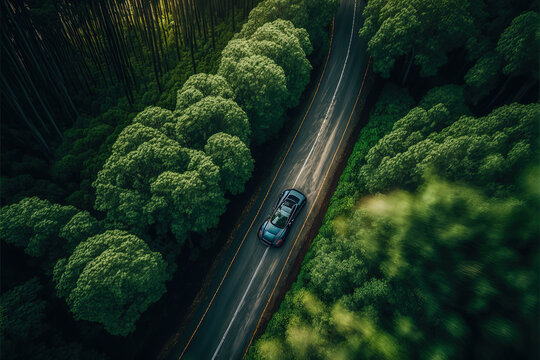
(267,70)
(312,15)
(111,278)
(484,151)
(483,75)
(261,90)
(519,44)
(199,86)
(80,227)
(23,316)
(209,116)
(45,229)
(425,30)
(288,47)
(114,133)
(157,178)
(233,158)
(393,280)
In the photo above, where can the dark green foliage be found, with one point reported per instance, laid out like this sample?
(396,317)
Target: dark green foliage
(503,46)
(23,314)
(260,89)
(83,152)
(393,103)
(233,158)
(422,29)
(35,224)
(16,188)
(447,272)
(288,47)
(199,86)
(111,278)
(450,95)
(483,151)
(151,180)
(46,230)
(519,44)
(267,70)
(483,75)
(81,226)
(84,141)
(312,15)
(209,116)
(30,332)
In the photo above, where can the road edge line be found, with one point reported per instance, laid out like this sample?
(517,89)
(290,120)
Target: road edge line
(268,192)
(312,206)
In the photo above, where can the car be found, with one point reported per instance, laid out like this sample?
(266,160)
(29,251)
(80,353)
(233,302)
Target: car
(276,227)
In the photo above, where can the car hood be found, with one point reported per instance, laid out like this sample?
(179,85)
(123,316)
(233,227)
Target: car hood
(270,232)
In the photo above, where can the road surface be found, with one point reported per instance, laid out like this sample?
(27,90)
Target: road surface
(224,324)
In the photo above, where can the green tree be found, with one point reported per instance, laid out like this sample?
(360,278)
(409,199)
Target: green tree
(35,224)
(471,260)
(393,103)
(23,317)
(154,117)
(199,86)
(483,76)
(139,155)
(448,271)
(260,89)
(209,116)
(423,30)
(451,96)
(111,278)
(281,42)
(270,10)
(486,151)
(519,45)
(195,195)
(233,158)
(288,47)
(79,228)
(152,183)
(312,15)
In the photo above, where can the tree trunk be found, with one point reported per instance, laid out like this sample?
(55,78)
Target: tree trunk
(499,93)
(411,58)
(524,89)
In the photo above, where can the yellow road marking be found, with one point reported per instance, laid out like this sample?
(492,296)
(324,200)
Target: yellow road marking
(265,196)
(312,206)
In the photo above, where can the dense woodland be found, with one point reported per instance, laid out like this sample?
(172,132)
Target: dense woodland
(429,248)
(127,127)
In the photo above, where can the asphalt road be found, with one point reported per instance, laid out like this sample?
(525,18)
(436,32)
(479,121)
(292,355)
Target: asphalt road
(249,272)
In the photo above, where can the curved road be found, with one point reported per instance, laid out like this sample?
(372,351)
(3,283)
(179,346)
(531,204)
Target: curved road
(225,322)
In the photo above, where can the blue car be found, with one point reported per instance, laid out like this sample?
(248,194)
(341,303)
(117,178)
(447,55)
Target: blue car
(274,230)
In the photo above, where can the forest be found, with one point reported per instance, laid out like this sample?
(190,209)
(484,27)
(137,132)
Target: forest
(127,127)
(429,247)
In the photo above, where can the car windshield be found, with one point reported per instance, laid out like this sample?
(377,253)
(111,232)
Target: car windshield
(282,214)
(294,198)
